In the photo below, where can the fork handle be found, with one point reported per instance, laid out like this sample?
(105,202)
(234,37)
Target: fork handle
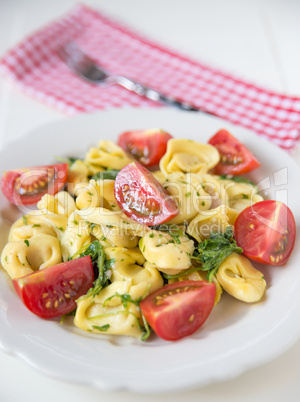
(150,93)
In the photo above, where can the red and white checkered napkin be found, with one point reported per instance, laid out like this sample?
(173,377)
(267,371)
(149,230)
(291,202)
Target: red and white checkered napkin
(36,68)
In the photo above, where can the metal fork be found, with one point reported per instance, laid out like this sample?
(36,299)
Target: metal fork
(86,68)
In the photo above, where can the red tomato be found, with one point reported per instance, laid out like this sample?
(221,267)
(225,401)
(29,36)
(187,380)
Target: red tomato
(53,291)
(235,157)
(179,309)
(266,231)
(147,146)
(141,197)
(27,186)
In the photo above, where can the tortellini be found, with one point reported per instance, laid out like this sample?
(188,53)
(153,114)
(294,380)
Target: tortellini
(57,209)
(77,177)
(166,254)
(116,227)
(187,156)
(76,235)
(30,225)
(114,309)
(23,257)
(240,279)
(106,155)
(188,192)
(98,193)
(241,195)
(217,219)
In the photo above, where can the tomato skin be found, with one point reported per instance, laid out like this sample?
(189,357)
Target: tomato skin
(146,146)
(179,309)
(266,231)
(141,197)
(53,291)
(235,157)
(52,178)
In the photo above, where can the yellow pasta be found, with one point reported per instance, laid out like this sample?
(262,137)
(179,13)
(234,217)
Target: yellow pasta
(23,257)
(187,156)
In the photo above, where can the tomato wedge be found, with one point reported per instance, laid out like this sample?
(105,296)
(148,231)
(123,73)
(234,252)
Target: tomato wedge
(26,186)
(141,197)
(146,146)
(179,309)
(235,157)
(266,231)
(53,291)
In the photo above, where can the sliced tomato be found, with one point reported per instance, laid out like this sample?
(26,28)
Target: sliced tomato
(53,291)
(179,309)
(26,186)
(146,146)
(266,231)
(141,197)
(235,158)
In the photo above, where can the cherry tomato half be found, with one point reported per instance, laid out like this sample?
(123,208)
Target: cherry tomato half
(141,197)
(53,291)
(266,231)
(235,157)
(147,146)
(27,186)
(179,309)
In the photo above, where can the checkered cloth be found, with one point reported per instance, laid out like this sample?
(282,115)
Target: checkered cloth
(38,71)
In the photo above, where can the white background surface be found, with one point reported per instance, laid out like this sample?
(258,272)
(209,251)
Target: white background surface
(256,39)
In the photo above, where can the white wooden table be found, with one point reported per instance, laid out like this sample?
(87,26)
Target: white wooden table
(256,39)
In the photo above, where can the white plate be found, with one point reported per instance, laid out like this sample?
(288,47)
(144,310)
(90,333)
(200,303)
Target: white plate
(236,336)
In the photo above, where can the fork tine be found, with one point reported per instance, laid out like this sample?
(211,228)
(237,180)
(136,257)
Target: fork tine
(82,64)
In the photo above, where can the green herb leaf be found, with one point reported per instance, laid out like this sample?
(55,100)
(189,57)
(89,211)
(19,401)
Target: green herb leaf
(106,175)
(237,179)
(103,328)
(96,251)
(70,160)
(213,251)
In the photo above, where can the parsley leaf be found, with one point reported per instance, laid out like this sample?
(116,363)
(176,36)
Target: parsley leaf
(213,251)
(96,251)
(106,175)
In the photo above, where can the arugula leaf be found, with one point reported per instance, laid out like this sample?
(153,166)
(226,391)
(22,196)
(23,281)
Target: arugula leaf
(96,251)
(106,175)
(237,179)
(69,160)
(213,251)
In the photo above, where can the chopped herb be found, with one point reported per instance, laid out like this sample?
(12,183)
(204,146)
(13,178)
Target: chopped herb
(159,245)
(28,261)
(106,175)
(151,235)
(237,179)
(103,328)
(70,160)
(102,238)
(75,222)
(24,219)
(60,228)
(198,194)
(203,203)
(91,194)
(26,242)
(213,251)
(96,251)
(245,196)
(109,226)
(188,194)
(36,225)
(5,258)
(79,235)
